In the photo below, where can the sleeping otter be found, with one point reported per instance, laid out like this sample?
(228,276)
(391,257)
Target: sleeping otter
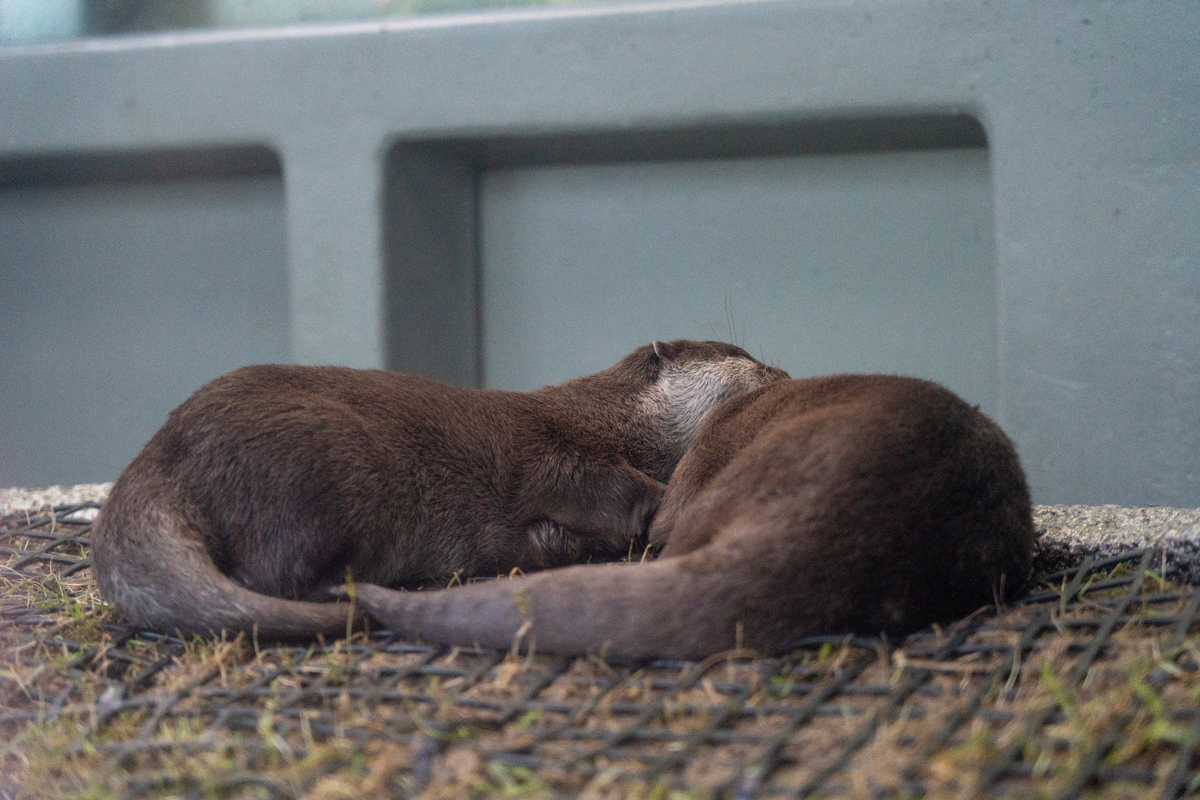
(855,503)
(271,483)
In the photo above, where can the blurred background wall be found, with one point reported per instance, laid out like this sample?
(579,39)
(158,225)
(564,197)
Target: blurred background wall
(1001,197)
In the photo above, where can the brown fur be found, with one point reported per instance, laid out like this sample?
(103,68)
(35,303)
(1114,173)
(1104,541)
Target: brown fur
(866,504)
(276,481)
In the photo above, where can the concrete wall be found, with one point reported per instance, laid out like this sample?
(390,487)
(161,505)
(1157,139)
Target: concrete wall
(1002,196)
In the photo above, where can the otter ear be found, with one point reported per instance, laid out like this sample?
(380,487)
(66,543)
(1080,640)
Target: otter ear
(664,351)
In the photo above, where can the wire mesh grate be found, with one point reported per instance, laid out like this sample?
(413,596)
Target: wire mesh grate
(1087,684)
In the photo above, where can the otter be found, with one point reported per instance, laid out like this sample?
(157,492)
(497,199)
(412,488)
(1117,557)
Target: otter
(272,483)
(847,504)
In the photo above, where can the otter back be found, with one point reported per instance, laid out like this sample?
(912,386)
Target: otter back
(867,504)
(272,483)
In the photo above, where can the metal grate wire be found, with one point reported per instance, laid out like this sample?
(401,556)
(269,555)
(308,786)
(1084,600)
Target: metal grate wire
(1086,685)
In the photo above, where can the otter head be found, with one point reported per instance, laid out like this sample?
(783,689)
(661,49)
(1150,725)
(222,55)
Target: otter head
(696,377)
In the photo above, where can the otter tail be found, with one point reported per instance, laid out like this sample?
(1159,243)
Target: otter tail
(153,569)
(750,588)
(626,611)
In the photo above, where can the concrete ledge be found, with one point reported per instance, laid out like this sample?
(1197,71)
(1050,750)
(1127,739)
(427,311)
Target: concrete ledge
(13,500)
(1067,534)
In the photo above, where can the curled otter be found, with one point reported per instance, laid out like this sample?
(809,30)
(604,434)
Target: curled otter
(856,503)
(273,483)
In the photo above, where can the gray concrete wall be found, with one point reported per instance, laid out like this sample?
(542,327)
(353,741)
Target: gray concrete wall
(121,296)
(879,261)
(513,198)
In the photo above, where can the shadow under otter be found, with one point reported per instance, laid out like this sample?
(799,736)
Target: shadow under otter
(867,504)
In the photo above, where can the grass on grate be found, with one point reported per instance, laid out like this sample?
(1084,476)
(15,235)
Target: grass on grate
(89,709)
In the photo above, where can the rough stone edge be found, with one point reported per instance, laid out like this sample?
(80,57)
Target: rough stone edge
(14,500)
(1067,534)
